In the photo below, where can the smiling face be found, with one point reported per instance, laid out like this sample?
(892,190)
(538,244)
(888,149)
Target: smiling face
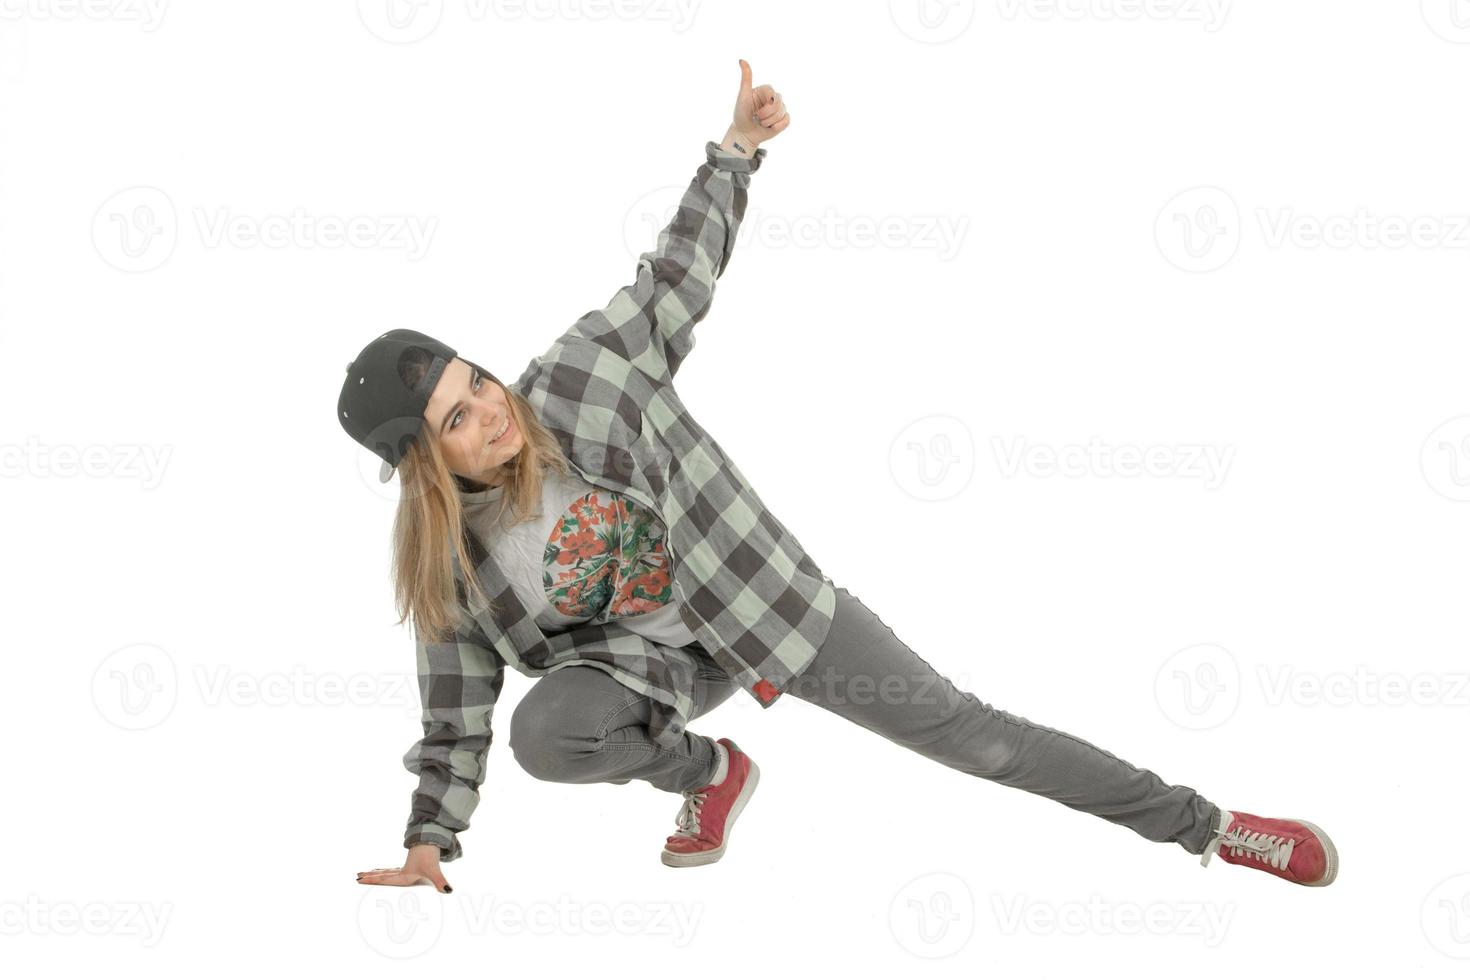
(472,418)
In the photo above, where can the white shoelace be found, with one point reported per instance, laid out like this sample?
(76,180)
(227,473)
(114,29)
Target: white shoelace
(688,818)
(1268,848)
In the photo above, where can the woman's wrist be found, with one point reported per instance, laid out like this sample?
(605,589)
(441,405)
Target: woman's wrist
(738,144)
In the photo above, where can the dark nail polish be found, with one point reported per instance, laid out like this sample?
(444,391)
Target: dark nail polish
(448,889)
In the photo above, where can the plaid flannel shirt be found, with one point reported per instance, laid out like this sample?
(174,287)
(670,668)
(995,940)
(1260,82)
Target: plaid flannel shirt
(747,589)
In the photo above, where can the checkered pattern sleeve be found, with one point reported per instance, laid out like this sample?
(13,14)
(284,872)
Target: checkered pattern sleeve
(459,680)
(651,322)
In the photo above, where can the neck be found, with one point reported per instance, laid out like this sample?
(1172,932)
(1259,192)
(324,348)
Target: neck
(474,486)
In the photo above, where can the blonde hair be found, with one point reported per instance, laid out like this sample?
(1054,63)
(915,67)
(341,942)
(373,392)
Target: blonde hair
(429,527)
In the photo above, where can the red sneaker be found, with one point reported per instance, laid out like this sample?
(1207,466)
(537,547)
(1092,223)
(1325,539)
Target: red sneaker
(710,811)
(1287,848)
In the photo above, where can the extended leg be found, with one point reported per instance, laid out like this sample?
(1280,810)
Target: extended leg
(865,674)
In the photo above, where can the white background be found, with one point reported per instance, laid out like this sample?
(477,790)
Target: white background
(1236,229)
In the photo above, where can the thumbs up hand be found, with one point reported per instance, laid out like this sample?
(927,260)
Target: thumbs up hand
(759,112)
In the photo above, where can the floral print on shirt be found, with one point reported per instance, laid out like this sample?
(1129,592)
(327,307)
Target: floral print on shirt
(605,558)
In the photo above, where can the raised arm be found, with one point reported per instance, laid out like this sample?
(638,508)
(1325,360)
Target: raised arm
(459,682)
(651,321)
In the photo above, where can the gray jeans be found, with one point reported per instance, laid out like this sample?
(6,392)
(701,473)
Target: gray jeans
(579,725)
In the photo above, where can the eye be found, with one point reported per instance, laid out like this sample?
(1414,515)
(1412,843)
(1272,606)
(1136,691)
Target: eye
(475,387)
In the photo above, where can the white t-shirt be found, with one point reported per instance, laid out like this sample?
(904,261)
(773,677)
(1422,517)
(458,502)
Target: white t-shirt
(593,555)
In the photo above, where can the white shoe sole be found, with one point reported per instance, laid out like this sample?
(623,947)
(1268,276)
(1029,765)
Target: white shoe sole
(676,860)
(1328,848)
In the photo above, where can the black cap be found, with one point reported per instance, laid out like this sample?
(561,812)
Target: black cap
(379,407)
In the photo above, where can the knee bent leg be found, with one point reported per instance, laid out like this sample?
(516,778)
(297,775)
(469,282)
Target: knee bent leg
(540,746)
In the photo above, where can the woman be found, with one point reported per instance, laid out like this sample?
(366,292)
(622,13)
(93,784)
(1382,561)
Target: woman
(615,552)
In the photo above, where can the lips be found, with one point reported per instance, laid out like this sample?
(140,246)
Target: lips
(508,425)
